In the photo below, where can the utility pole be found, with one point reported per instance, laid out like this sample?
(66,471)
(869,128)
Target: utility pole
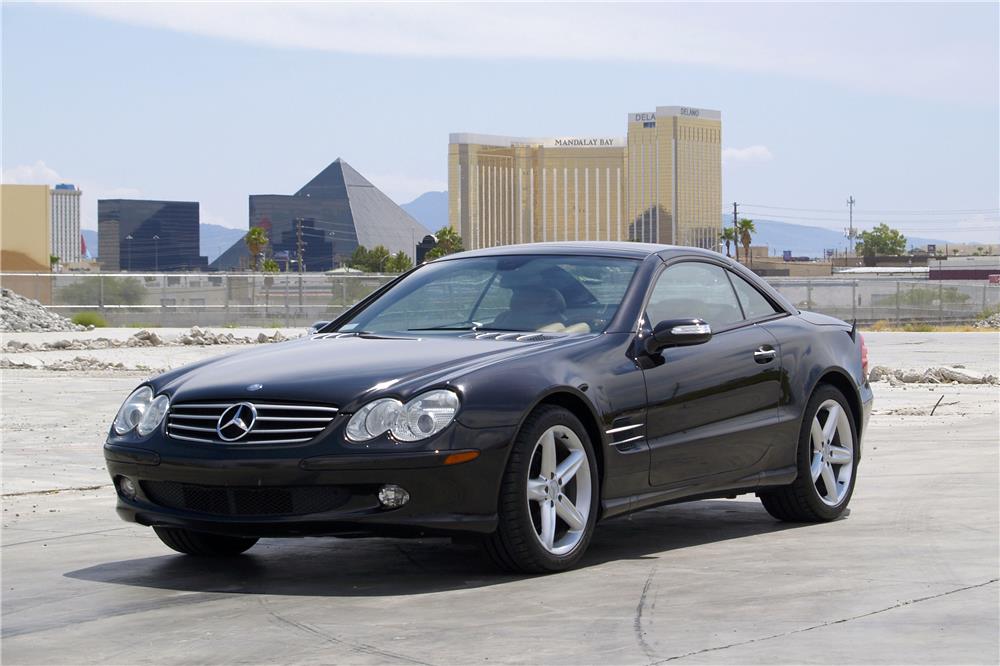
(736,229)
(299,245)
(850,229)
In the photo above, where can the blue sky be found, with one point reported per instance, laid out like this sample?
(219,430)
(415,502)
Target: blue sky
(896,104)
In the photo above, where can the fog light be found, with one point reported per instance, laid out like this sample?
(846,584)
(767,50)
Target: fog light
(392,496)
(126,487)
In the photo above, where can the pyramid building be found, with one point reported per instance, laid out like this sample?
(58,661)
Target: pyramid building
(333,213)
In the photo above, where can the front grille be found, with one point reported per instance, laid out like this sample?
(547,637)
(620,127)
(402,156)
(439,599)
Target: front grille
(246,501)
(275,423)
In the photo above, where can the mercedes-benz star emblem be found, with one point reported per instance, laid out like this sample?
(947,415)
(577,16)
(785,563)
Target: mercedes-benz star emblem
(236,421)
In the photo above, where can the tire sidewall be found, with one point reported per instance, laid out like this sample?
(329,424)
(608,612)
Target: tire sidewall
(824,510)
(518,469)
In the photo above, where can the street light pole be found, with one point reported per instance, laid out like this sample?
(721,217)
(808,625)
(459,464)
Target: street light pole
(129,239)
(333,250)
(156,253)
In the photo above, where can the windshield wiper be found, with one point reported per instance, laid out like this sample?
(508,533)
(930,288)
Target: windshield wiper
(476,327)
(465,326)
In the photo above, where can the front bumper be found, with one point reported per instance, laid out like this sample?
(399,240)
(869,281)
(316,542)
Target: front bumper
(289,491)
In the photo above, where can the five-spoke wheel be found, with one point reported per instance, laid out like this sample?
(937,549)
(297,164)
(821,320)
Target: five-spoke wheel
(827,462)
(559,489)
(548,497)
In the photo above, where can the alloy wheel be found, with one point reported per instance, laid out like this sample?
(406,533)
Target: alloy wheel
(832,462)
(559,490)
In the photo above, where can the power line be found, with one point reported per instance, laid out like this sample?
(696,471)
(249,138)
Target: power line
(952,211)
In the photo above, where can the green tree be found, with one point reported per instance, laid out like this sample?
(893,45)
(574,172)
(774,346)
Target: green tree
(728,236)
(398,263)
(745,230)
(378,259)
(448,242)
(882,240)
(359,258)
(256,240)
(53,260)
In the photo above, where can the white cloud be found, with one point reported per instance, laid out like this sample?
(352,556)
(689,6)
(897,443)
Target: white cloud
(749,154)
(40,173)
(929,51)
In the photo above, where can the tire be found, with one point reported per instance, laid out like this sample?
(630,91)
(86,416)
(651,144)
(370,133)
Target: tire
(202,544)
(827,467)
(546,525)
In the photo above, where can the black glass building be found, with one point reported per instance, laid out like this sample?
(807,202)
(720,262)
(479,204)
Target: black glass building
(148,236)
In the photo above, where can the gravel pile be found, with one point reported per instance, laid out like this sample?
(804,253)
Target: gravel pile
(146,338)
(936,375)
(21,315)
(77,364)
(993,321)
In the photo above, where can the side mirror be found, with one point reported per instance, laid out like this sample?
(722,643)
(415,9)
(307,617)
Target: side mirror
(678,333)
(317,325)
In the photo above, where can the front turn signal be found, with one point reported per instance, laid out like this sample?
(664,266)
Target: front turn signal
(464,456)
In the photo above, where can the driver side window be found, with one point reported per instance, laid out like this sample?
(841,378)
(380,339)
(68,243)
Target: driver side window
(697,290)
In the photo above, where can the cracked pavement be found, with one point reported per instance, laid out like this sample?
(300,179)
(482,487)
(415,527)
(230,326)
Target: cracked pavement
(909,577)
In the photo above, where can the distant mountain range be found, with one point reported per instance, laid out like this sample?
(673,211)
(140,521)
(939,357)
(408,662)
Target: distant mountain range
(431,210)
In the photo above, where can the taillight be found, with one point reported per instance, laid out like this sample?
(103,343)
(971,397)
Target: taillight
(864,355)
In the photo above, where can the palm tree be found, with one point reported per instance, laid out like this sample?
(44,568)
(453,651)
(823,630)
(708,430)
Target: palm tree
(728,236)
(256,240)
(745,230)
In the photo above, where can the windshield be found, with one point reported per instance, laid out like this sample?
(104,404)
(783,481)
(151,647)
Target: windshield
(561,294)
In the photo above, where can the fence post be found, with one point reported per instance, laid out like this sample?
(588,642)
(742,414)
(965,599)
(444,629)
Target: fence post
(985,285)
(286,299)
(897,301)
(940,302)
(100,298)
(225,302)
(809,295)
(854,300)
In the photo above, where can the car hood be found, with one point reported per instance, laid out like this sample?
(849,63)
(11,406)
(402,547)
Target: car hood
(346,371)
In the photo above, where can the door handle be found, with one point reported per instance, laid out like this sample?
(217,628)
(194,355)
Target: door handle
(764,354)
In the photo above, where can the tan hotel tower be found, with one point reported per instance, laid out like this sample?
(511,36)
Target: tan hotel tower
(661,184)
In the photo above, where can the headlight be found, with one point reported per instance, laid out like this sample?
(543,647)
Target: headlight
(150,421)
(427,414)
(132,410)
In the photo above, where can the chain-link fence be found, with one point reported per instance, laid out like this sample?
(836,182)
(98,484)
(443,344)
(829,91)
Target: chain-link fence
(292,299)
(895,301)
(202,299)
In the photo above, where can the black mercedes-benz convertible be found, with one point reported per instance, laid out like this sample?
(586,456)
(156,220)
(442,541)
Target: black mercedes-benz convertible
(517,395)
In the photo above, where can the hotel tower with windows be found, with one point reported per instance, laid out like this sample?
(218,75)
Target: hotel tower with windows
(661,184)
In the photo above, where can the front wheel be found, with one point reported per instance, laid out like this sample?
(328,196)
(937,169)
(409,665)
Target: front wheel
(827,462)
(548,498)
(200,543)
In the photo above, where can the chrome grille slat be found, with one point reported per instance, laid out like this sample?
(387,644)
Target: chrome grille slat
(279,423)
(193,428)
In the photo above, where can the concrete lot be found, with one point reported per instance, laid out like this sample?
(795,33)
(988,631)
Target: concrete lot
(909,577)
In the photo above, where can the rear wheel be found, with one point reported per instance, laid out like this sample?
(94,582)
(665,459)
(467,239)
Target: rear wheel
(548,498)
(827,463)
(202,544)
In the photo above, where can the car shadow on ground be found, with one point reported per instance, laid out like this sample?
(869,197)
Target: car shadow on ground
(393,567)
